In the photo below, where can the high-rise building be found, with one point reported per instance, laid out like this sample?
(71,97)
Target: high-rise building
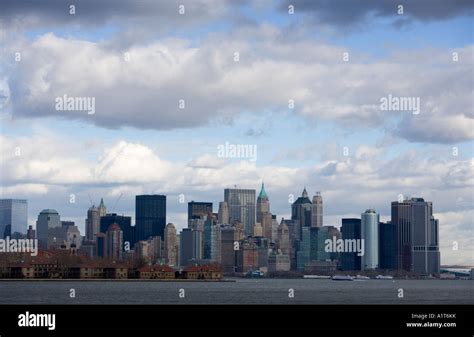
(13,217)
(150,215)
(227,236)
(197,244)
(223,215)
(350,231)
(317,211)
(417,236)
(369,232)
(92,223)
(257,230)
(241,203)
(185,247)
(304,251)
(125,224)
(48,223)
(387,245)
(283,239)
(301,211)
(264,217)
(263,203)
(171,245)
(199,209)
(114,242)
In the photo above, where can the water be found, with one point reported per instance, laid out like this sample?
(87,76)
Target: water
(243,291)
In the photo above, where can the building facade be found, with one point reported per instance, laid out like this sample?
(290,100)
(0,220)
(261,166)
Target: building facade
(150,216)
(242,208)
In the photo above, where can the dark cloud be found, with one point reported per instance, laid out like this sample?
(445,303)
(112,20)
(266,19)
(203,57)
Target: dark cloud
(350,12)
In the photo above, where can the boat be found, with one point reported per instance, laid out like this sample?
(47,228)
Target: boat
(384,277)
(254,274)
(316,276)
(342,278)
(362,277)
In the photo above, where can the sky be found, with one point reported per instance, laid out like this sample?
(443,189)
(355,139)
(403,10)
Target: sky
(301,80)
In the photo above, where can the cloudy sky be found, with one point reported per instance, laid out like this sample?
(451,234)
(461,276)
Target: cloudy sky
(305,88)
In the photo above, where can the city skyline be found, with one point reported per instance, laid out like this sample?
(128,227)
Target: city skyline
(188,104)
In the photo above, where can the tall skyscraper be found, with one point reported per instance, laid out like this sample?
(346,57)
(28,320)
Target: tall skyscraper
(92,223)
(301,211)
(264,217)
(417,236)
(241,204)
(387,245)
(369,232)
(263,204)
(317,211)
(31,233)
(351,231)
(227,252)
(13,217)
(198,209)
(150,215)
(197,244)
(125,224)
(223,215)
(171,245)
(114,242)
(47,225)
(185,246)
(283,241)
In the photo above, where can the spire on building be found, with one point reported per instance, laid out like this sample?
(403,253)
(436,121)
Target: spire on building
(305,193)
(263,194)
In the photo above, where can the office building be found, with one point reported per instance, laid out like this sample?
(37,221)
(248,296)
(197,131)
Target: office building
(387,246)
(171,247)
(199,209)
(48,226)
(185,247)
(317,211)
(13,217)
(114,242)
(350,230)
(150,216)
(125,224)
(301,211)
(92,223)
(227,236)
(417,236)
(241,203)
(369,231)
(223,215)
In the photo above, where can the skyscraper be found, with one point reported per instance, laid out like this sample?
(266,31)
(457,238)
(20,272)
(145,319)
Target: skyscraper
(92,223)
(264,217)
(223,216)
(114,242)
(13,217)
(197,244)
(198,209)
(171,245)
(150,215)
(301,211)
(350,231)
(369,232)
(387,245)
(317,211)
(241,204)
(417,236)
(48,223)
(125,224)
(185,246)
(227,252)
